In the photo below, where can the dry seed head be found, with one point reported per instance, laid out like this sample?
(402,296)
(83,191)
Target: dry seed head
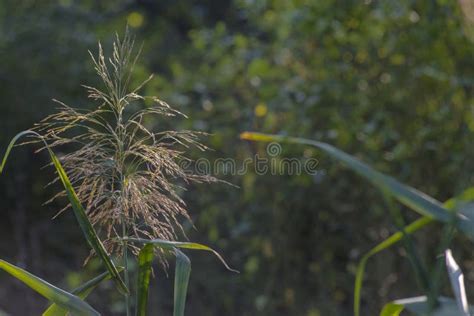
(123,172)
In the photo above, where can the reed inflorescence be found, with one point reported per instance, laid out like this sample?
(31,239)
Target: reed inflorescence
(126,175)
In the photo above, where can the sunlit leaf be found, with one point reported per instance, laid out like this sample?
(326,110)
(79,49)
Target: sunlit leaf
(414,199)
(410,197)
(457,283)
(387,243)
(82,292)
(181,280)
(87,229)
(166,244)
(145,259)
(54,294)
(419,306)
(460,202)
(183,269)
(391,310)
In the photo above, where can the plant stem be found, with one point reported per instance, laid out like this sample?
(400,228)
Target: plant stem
(447,236)
(120,156)
(419,268)
(125,258)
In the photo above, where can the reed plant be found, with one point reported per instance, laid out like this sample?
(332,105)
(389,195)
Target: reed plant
(122,180)
(455,216)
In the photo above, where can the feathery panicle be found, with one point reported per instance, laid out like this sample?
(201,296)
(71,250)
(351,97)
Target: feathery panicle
(123,172)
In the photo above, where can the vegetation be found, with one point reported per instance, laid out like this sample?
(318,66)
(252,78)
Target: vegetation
(121,173)
(457,217)
(389,82)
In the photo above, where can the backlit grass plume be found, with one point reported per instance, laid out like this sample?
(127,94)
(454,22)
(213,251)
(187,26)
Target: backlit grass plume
(125,174)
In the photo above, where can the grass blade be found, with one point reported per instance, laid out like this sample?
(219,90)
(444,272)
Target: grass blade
(170,245)
(391,309)
(410,197)
(10,147)
(419,268)
(181,280)
(419,306)
(387,243)
(416,200)
(145,259)
(461,199)
(182,273)
(82,292)
(457,283)
(87,228)
(60,297)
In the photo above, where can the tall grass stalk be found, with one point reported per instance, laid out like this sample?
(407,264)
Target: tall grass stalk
(125,174)
(121,180)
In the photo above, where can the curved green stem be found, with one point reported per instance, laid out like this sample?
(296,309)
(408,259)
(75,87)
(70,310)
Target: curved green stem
(390,241)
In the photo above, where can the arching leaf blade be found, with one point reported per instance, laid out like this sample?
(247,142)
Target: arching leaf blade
(387,243)
(410,197)
(82,292)
(145,260)
(419,306)
(60,297)
(392,309)
(456,277)
(84,223)
(181,281)
(167,244)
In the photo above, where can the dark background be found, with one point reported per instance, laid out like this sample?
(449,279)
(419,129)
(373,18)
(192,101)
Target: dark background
(388,81)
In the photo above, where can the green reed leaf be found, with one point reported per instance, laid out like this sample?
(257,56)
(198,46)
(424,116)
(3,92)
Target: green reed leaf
(181,280)
(391,309)
(183,269)
(87,228)
(456,277)
(145,259)
(460,201)
(410,197)
(82,292)
(60,297)
(430,208)
(419,306)
(166,244)
(10,147)
(387,243)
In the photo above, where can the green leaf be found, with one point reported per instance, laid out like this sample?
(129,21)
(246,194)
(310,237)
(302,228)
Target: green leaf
(183,270)
(456,278)
(419,306)
(181,280)
(86,226)
(391,309)
(82,292)
(414,199)
(60,297)
(390,241)
(10,147)
(459,201)
(145,259)
(410,197)
(166,244)
(87,229)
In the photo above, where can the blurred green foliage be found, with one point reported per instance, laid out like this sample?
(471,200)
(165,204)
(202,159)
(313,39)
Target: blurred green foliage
(388,81)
